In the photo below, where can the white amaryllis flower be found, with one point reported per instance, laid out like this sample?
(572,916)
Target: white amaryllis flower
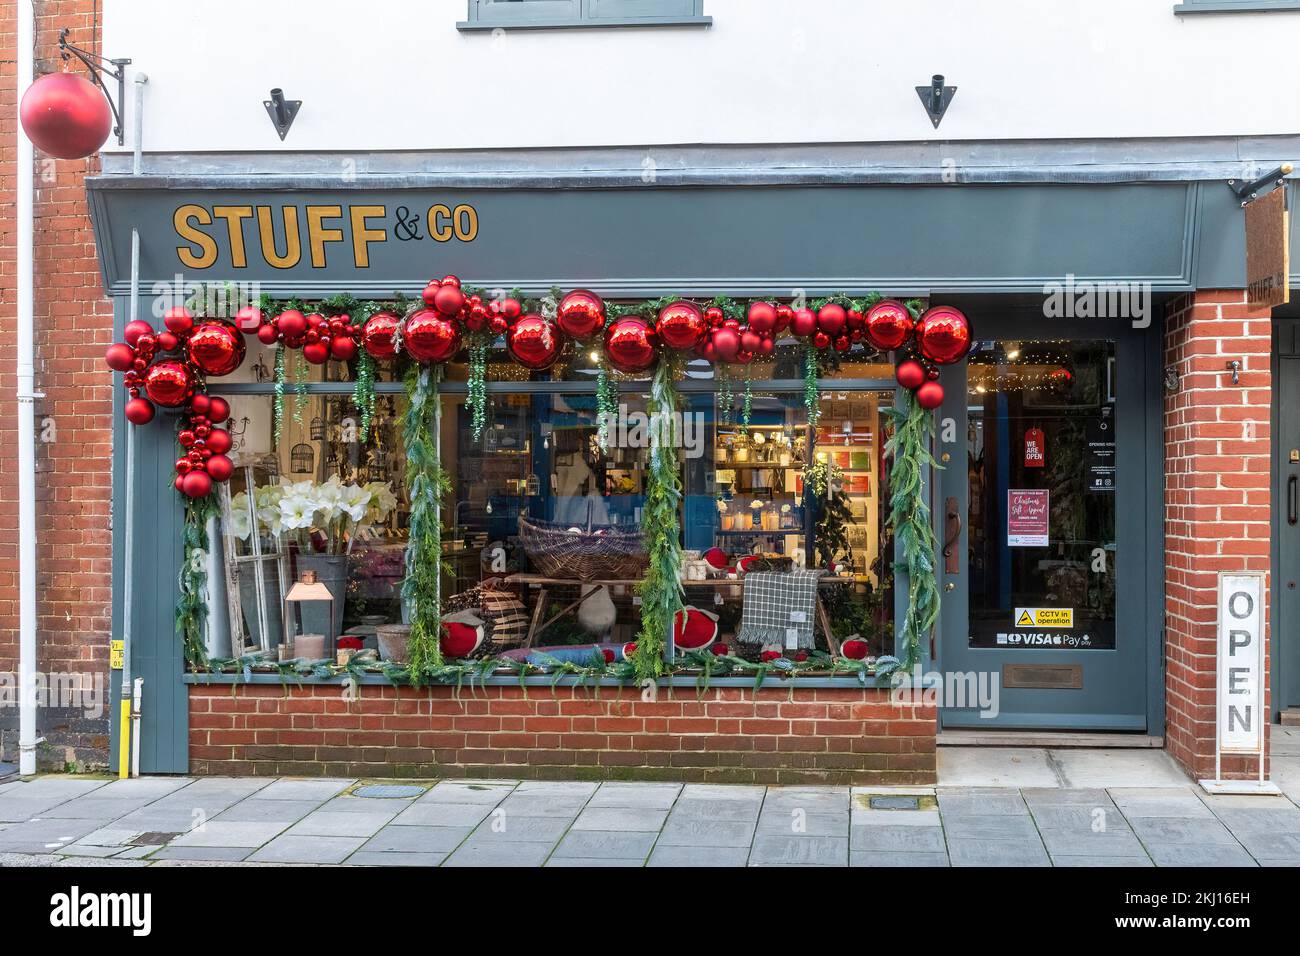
(382,500)
(241,525)
(297,511)
(328,497)
(355,502)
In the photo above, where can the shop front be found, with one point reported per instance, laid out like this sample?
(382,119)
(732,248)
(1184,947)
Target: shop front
(772,503)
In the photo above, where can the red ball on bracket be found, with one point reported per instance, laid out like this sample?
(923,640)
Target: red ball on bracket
(119,357)
(134,329)
(169,384)
(65,115)
(943,335)
(448,299)
(249,319)
(168,342)
(930,395)
(139,411)
(291,323)
(762,317)
(534,342)
(910,374)
(631,345)
(803,323)
(215,347)
(581,314)
(267,334)
(888,325)
(220,468)
(318,353)
(219,441)
(832,319)
(377,335)
(429,336)
(196,484)
(343,348)
(750,341)
(726,343)
(681,325)
(178,319)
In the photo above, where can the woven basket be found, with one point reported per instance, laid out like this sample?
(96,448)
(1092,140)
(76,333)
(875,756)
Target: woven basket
(599,553)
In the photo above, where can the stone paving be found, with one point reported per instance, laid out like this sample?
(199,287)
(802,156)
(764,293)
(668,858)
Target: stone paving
(169,821)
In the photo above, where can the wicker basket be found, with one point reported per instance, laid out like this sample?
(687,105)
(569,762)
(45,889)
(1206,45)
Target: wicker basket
(600,553)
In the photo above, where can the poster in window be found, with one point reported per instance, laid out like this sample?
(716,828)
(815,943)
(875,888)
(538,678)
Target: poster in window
(1027,517)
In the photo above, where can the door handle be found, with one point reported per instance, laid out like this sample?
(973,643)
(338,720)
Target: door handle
(1292,501)
(952,533)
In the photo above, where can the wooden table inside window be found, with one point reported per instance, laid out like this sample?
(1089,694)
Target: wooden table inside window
(544,585)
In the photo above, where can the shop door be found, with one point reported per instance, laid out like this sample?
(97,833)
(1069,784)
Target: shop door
(1040,510)
(1287,522)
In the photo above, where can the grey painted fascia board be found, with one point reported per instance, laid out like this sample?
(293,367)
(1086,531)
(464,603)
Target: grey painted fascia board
(1227,6)
(487,26)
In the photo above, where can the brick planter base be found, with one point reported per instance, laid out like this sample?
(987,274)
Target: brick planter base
(833,736)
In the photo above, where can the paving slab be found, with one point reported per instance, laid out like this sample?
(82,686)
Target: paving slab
(892,859)
(656,796)
(417,839)
(458,792)
(895,818)
(224,787)
(1080,842)
(1097,861)
(772,850)
(152,787)
(808,799)
(902,840)
(319,789)
(718,791)
(621,819)
(1139,767)
(220,854)
(574,862)
(519,829)
(1261,819)
(1182,830)
(981,803)
(542,805)
(1159,802)
(798,823)
(364,857)
(998,826)
(706,833)
(113,835)
(1002,853)
(94,807)
(1178,854)
(324,823)
(605,844)
(78,849)
(716,808)
(698,856)
(308,849)
(366,805)
(137,852)
(443,814)
(222,833)
(1062,796)
(1104,817)
(561,788)
(500,854)
(257,810)
(1270,845)
(44,836)
(996,766)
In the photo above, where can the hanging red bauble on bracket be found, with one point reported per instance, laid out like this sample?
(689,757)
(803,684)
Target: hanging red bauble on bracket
(943,335)
(178,320)
(65,115)
(681,325)
(169,384)
(448,299)
(631,345)
(534,342)
(888,325)
(930,395)
(429,336)
(215,347)
(134,329)
(377,335)
(581,314)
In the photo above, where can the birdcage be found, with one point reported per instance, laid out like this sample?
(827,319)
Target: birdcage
(301,459)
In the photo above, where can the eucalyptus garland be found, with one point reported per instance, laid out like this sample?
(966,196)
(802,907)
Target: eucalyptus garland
(192,605)
(606,403)
(363,391)
(300,376)
(909,451)
(747,404)
(476,388)
(661,589)
(427,484)
(726,395)
(278,409)
(811,389)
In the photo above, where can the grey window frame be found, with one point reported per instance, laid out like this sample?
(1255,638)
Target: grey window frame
(582,14)
(1236,6)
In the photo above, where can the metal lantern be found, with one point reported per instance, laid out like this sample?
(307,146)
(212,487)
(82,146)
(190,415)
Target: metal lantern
(301,459)
(307,588)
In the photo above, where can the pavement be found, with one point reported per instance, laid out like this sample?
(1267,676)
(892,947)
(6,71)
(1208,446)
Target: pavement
(992,807)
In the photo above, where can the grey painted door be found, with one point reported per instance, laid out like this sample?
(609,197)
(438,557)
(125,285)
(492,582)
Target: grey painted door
(1286,498)
(1041,511)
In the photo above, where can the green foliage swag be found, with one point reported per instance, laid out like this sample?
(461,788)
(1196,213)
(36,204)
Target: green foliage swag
(192,606)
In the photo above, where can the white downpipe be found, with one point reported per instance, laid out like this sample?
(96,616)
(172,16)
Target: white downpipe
(27,739)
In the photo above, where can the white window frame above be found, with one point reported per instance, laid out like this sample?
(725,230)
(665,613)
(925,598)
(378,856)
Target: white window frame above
(582,14)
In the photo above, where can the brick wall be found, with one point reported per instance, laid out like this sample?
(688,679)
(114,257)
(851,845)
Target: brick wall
(73,325)
(1217,501)
(839,736)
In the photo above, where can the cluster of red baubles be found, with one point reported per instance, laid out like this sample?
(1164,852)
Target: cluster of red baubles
(941,336)
(320,338)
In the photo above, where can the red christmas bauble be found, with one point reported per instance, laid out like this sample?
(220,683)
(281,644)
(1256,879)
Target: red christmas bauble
(267,334)
(888,325)
(714,316)
(169,384)
(930,395)
(631,345)
(429,336)
(476,318)
(215,347)
(681,325)
(762,317)
(139,411)
(377,335)
(842,343)
(249,319)
(218,410)
(943,335)
(821,340)
(910,374)
(784,316)
(726,343)
(134,329)
(178,319)
(855,649)
(220,468)
(448,299)
(65,115)
(343,347)
(430,290)
(168,342)
(767,346)
(581,314)
(196,484)
(534,342)
(511,309)
(183,465)
(832,319)
(119,357)
(219,441)
(318,353)
(804,322)
(291,323)
(750,341)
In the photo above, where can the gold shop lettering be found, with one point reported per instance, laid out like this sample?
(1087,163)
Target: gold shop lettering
(285,236)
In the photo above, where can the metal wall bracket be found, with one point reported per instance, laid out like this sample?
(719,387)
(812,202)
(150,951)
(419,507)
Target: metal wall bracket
(102,66)
(936,98)
(1247,191)
(282,111)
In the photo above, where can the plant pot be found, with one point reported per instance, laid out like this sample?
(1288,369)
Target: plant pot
(331,571)
(392,639)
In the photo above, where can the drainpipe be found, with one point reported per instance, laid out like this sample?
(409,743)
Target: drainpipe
(27,739)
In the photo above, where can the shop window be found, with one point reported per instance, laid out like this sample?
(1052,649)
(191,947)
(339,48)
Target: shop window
(541,14)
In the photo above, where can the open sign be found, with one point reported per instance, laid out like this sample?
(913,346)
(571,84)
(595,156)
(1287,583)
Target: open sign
(1241,711)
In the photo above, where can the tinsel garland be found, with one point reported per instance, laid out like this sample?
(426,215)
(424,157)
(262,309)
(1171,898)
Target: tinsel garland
(192,604)
(363,391)
(726,395)
(427,484)
(811,389)
(661,589)
(300,377)
(476,388)
(747,404)
(606,403)
(278,403)
(909,452)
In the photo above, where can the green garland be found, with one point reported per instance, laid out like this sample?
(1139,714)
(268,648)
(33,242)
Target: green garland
(811,389)
(278,403)
(301,373)
(661,589)
(192,606)
(476,389)
(909,451)
(427,484)
(363,391)
(747,405)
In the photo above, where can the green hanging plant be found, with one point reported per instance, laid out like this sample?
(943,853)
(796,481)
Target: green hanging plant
(606,402)
(661,589)
(747,404)
(909,452)
(300,374)
(363,391)
(726,395)
(192,606)
(811,389)
(826,480)
(278,403)
(476,390)
(427,485)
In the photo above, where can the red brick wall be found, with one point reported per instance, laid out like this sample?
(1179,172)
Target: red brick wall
(1217,501)
(73,325)
(840,736)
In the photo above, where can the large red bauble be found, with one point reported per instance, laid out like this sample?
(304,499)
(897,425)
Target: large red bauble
(750,341)
(218,410)
(762,317)
(218,441)
(681,325)
(139,411)
(910,374)
(429,336)
(197,483)
(581,313)
(267,334)
(291,323)
(318,353)
(178,319)
(943,335)
(343,347)
(65,115)
(134,329)
(377,335)
(168,342)
(930,395)
(249,319)
(888,325)
(726,343)
(169,384)
(448,299)
(215,347)
(631,345)
(534,342)
(832,319)
(803,323)
(220,468)
(784,316)
(119,356)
